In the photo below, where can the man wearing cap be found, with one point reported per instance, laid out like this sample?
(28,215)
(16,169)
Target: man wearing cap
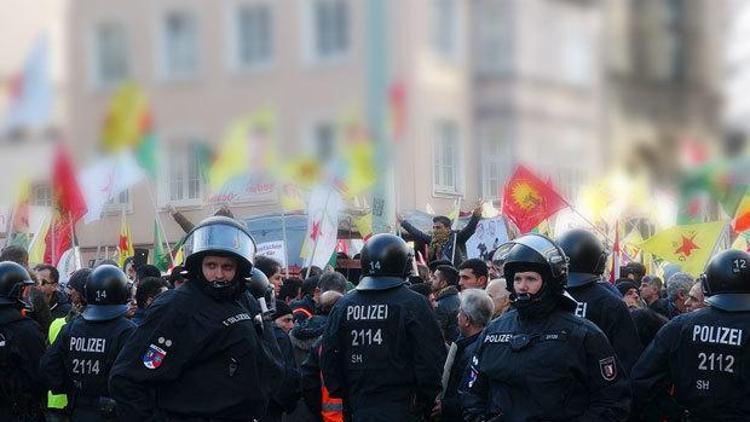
(79,361)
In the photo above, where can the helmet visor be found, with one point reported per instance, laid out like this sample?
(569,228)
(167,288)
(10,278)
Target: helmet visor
(539,244)
(219,237)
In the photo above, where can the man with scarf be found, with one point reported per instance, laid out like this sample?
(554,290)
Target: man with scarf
(443,239)
(202,352)
(539,361)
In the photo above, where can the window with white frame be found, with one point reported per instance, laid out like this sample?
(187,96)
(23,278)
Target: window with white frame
(496,158)
(446,144)
(253,34)
(41,195)
(180,44)
(329,26)
(444,28)
(577,61)
(494,52)
(184,182)
(111,60)
(119,201)
(324,141)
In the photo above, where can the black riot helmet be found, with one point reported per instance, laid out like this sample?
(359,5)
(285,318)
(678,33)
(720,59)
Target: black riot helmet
(106,294)
(13,278)
(534,252)
(385,260)
(586,254)
(219,236)
(726,282)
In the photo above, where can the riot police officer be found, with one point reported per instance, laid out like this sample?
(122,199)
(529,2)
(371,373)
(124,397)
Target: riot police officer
(383,352)
(539,361)
(79,361)
(198,354)
(595,302)
(21,347)
(705,353)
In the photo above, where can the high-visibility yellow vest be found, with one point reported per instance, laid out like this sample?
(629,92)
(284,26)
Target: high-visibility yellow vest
(56,401)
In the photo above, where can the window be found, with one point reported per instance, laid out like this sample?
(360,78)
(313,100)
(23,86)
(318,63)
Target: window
(444,28)
(445,175)
(119,202)
(495,35)
(577,54)
(111,54)
(185,182)
(496,158)
(180,44)
(324,138)
(41,195)
(329,25)
(253,35)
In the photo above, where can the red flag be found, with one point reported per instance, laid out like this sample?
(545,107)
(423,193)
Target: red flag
(67,196)
(528,200)
(68,207)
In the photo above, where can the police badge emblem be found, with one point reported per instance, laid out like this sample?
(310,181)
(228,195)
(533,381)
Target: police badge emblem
(608,368)
(153,357)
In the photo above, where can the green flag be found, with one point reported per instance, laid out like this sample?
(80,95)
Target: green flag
(161,255)
(147,155)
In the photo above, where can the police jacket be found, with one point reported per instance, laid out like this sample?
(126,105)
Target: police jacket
(194,357)
(611,315)
(80,359)
(381,350)
(556,368)
(450,402)
(21,347)
(705,355)
(447,303)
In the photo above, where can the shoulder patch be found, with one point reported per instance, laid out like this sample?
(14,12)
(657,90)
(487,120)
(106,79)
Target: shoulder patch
(153,357)
(608,368)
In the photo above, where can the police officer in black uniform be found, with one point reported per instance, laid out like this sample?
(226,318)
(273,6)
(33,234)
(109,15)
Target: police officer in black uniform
(22,396)
(704,354)
(539,361)
(199,353)
(79,361)
(383,352)
(595,302)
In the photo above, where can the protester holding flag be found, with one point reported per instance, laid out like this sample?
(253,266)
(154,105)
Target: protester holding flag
(443,239)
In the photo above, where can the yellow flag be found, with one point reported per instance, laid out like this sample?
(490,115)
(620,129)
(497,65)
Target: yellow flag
(690,245)
(291,199)
(364,225)
(127,118)
(125,245)
(304,171)
(360,168)
(742,243)
(37,246)
(248,146)
(631,244)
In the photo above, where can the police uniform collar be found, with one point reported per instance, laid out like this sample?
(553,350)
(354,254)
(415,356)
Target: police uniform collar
(730,302)
(379,283)
(581,279)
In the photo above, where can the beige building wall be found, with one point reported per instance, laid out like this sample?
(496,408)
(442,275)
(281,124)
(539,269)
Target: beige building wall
(302,92)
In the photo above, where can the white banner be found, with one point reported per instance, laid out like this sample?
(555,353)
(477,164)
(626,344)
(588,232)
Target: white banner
(69,264)
(490,234)
(275,250)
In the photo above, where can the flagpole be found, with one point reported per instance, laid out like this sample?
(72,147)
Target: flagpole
(158,221)
(455,235)
(77,257)
(586,219)
(283,235)
(9,226)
